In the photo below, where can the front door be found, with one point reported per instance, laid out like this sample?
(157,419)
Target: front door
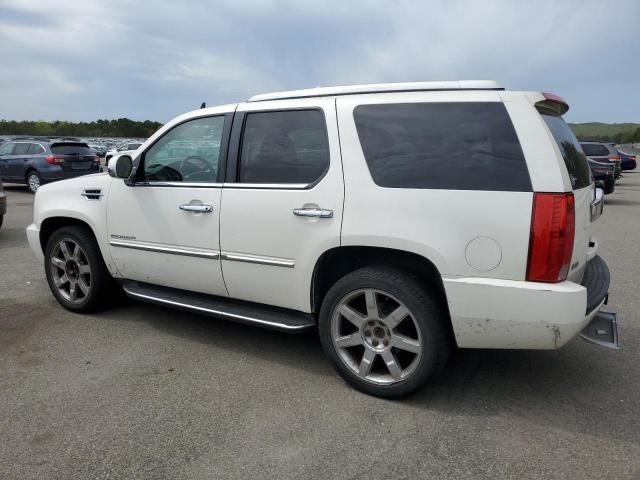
(16,162)
(163,226)
(283,206)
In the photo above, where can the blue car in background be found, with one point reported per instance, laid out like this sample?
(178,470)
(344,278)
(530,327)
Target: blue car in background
(34,161)
(627,162)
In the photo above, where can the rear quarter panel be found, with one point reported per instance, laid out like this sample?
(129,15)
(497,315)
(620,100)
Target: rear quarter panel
(440,225)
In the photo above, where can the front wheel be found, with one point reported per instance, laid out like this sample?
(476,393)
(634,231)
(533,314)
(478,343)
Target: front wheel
(384,331)
(75,270)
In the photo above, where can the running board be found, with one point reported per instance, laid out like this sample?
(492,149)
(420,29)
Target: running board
(239,311)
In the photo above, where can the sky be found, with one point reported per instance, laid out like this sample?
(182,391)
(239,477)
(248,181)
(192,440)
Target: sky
(88,59)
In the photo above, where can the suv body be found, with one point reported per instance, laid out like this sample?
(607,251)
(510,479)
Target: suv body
(37,161)
(603,152)
(127,147)
(395,217)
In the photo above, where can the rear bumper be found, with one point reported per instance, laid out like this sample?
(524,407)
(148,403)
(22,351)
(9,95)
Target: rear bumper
(492,313)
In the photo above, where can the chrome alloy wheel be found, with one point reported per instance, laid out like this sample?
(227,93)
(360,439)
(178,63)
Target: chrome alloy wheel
(34,182)
(376,336)
(70,271)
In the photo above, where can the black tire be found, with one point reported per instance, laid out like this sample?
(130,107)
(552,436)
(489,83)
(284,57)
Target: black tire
(1,220)
(101,282)
(609,186)
(427,313)
(33,185)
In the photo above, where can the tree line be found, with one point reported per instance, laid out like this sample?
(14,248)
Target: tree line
(122,127)
(617,138)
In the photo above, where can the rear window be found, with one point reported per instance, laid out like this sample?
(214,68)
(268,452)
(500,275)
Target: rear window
(574,157)
(453,146)
(595,150)
(71,149)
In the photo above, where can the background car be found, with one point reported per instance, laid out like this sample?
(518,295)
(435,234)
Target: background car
(603,175)
(604,153)
(3,203)
(36,161)
(627,162)
(123,147)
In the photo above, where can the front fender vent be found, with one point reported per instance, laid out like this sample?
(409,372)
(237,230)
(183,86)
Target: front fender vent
(92,193)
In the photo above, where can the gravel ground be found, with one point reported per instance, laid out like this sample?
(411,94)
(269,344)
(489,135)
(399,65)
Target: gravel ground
(140,391)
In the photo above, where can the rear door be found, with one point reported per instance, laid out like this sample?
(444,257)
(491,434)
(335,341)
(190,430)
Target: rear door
(583,188)
(282,202)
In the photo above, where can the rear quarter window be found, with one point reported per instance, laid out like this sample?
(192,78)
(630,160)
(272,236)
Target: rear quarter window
(572,153)
(71,149)
(453,146)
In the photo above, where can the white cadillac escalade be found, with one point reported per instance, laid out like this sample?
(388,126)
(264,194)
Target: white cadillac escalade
(398,219)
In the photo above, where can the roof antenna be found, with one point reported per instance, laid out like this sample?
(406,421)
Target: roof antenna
(204,105)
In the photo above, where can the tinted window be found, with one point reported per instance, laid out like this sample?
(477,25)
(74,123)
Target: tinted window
(284,147)
(21,148)
(453,146)
(595,150)
(574,158)
(6,149)
(35,149)
(71,149)
(189,152)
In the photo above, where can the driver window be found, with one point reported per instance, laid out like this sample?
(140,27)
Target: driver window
(187,153)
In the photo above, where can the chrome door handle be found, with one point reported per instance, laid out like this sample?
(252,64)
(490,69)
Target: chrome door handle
(313,212)
(196,208)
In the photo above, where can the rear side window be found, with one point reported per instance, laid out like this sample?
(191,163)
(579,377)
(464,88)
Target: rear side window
(452,146)
(71,149)
(284,147)
(574,157)
(36,149)
(595,150)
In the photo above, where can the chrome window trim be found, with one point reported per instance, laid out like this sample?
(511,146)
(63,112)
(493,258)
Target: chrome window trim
(269,186)
(178,184)
(170,249)
(257,259)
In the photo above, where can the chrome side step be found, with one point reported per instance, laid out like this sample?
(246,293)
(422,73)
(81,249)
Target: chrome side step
(266,316)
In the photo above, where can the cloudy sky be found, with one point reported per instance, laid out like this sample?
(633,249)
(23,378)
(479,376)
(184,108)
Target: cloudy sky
(89,59)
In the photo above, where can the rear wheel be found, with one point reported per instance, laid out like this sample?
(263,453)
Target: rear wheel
(383,331)
(33,181)
(75,270)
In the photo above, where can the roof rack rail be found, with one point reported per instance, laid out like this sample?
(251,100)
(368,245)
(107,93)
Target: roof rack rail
(380,88)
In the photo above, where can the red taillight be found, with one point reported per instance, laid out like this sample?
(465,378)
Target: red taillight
(614,158)
(54,159)
(96,159)
(551,237)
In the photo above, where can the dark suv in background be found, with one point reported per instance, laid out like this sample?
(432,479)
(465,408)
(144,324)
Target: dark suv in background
(602,153)
(35,161)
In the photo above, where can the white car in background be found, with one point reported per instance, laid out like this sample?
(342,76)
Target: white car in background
(128,147)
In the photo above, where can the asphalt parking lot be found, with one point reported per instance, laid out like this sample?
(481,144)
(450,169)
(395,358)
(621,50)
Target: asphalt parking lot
(139,391)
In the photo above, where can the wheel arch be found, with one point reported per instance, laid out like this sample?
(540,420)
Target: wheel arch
(51,224)
(337,262)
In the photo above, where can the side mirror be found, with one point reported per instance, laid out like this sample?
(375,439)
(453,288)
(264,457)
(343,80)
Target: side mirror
(120,166)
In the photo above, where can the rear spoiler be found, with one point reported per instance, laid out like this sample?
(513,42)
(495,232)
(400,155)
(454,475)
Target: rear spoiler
(554,103)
